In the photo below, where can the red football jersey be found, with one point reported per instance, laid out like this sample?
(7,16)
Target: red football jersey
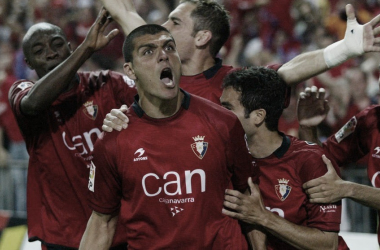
(208,84)
(59,142)
(358,137)
(168,177)
(282,175)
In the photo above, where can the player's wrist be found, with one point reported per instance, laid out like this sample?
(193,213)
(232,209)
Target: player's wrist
(350,46)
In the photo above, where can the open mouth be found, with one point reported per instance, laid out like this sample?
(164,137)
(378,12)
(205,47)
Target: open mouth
(167,77)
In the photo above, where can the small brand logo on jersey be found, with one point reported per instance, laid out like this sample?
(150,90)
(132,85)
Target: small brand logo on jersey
(90,110)
(91,179)
(139,153)
(199,147)
(376,152)
(24,85)
(346,130)
(328,209)
(176,210)
(283,189)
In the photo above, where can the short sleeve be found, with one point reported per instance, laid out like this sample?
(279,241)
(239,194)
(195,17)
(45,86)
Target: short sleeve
(104,181)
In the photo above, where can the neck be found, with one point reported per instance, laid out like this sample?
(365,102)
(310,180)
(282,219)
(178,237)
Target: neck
(264,143)
(158,108)
(197,64)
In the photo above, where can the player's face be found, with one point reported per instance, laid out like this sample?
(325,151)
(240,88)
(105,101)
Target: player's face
(47,48)
(156,67)
(180,24)
(230,99)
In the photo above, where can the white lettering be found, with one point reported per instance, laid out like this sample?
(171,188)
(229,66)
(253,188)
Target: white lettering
(144,187)
(374,178)
(189,175)
(178,190)
(87,136)
(279,211)
(76,142)
(177,182)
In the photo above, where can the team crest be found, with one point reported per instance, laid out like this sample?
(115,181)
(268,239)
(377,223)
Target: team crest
(283,189)
(90,110)
(199,147)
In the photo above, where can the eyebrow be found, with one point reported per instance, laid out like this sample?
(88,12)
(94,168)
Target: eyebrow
(152,45)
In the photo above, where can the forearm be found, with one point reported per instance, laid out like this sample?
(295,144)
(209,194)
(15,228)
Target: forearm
(257,239)
(298,236)
(309,134)
(124,13)
(49,87)
(303,67)
(99,232)
(363,194)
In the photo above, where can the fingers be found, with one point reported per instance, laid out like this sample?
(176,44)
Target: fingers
(375,21)
(328,163)
(350,12)
(312,183)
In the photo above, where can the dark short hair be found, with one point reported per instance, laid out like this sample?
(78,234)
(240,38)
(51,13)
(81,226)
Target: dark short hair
(212,16)
(128,46)
(259,88)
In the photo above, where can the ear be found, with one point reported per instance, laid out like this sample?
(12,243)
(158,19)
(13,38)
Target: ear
(259,116)
(202,38)
(128,70)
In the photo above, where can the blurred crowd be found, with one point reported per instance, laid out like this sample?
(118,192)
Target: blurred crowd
(262,32)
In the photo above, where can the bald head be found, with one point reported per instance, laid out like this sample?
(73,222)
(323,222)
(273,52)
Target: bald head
(36,31)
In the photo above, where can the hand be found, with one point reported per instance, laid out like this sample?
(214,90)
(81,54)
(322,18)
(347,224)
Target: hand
(327,188)
(247,208)
(95,39)
(367,42)
(312,107)
(116,119)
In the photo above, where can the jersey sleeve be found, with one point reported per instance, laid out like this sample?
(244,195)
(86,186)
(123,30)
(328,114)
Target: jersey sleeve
(29,126)
(104,182)
(325,217)
(350,143)
(239,159)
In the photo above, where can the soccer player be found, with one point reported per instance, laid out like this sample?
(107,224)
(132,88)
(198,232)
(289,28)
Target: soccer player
(201,27)
(358,137)
(60,116)
(166,174)
(278,203)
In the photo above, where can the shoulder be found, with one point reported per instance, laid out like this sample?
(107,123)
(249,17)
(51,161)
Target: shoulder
(210,109)
(304,149)
(105,77)
(19,86)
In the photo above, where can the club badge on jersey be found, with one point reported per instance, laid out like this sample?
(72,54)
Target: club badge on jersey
(199,146)
(283,189)
(90,110)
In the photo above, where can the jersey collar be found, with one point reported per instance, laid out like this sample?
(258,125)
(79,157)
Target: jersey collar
(280,152)
(140,112)
(209,73)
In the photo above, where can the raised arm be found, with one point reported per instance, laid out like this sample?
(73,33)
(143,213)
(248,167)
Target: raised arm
(99,232)
(58,80)
(250,209)
(330,188)
(312,109)
(358,40)
(124,13)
